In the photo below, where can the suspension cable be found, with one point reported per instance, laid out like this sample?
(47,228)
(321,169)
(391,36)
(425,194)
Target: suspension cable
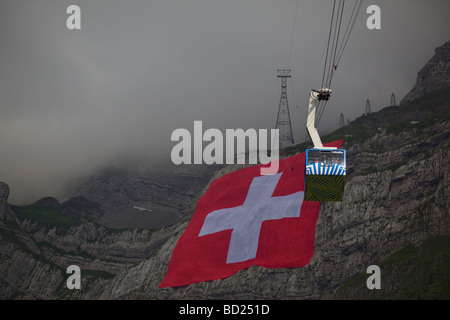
(336,51)
(328,44)
(333,53)
(292,35)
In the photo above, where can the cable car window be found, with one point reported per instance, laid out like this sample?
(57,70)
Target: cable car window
(326,158)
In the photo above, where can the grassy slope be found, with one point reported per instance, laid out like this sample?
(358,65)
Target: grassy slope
(427,111)
(44,215)
(411,273)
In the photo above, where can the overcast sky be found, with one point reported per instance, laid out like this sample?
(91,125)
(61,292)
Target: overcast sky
(74,100)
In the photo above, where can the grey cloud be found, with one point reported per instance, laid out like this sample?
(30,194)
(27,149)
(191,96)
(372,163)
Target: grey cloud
(71,101)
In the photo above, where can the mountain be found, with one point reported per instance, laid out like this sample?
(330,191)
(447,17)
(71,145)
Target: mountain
(395,214)
(433,78)
(39,241)
(130,196)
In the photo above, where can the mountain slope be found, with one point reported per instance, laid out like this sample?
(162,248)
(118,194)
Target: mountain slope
(395,214)
(433,77)
(140,198)
(392,198)
(396,195)
(413,272)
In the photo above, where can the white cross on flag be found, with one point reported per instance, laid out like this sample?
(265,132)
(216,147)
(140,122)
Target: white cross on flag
(246,219)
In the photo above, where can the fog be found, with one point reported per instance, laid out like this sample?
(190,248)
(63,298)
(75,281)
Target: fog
(72,101)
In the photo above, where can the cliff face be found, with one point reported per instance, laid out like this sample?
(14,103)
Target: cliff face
(434,77)
(137,198)
(5,211)
(39,241)
(396,197)
(34,256)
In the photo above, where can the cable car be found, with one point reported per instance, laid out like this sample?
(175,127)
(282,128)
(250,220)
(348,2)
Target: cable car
(325,166)
(325,174)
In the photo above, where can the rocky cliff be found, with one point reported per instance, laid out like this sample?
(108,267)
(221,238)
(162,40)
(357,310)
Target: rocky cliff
(34,256)
(132,197)
(395,196)
(6,213)
(434,77)
(39,241)
(395,214)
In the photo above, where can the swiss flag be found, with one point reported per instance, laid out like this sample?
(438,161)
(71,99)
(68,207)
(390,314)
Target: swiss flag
(246,219)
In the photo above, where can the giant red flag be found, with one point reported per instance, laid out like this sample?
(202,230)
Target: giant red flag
(246,219)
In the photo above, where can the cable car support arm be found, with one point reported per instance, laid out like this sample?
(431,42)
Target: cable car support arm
(316,95)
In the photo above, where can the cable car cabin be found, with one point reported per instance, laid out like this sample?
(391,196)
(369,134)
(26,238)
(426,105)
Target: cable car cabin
(325,174)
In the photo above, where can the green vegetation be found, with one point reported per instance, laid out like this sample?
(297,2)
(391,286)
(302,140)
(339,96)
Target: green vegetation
(368,171)
(89,278)
(394,167)
(431,102)
(428,111)
(97,274)
(404,254)
(412,273)
(422,114)
(297,148)
(360,132)
(408,125)
(10,236)
(425,207)
(44,215)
